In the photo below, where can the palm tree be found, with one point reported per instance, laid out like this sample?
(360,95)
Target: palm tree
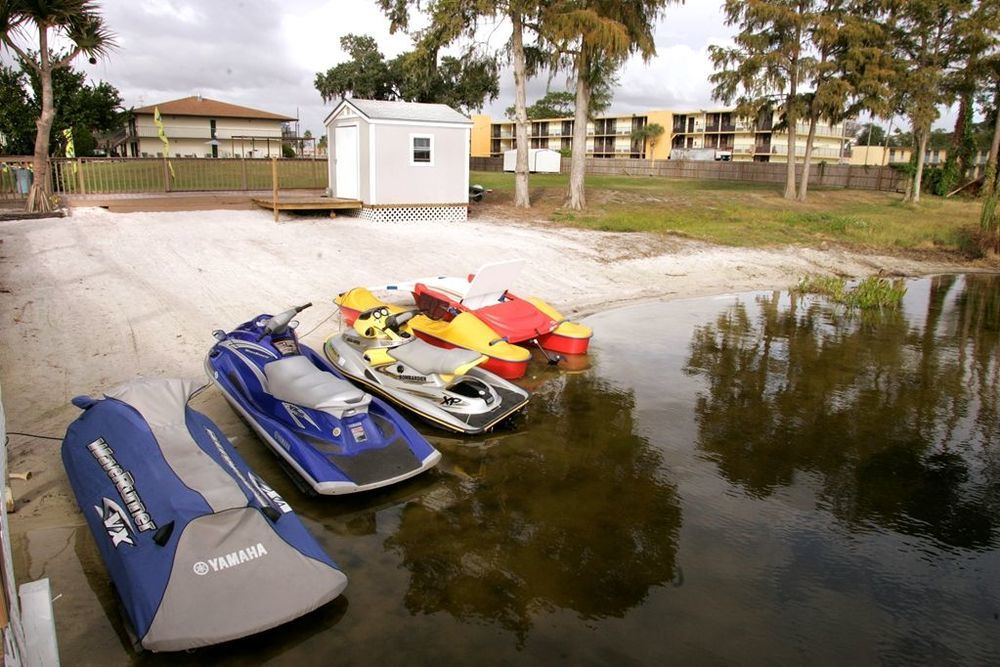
(648,135)
(78,21)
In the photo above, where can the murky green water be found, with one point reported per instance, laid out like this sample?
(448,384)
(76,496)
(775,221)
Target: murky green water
(747,479)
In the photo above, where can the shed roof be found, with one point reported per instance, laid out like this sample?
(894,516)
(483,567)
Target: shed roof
(197,105)
(416,112)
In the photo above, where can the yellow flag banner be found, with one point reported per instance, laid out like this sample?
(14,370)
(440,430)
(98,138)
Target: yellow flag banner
(163,137)
(70,147)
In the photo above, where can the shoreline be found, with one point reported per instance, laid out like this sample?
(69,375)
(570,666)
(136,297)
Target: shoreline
(97,298)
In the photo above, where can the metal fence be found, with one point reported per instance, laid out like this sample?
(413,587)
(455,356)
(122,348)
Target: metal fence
(855,177)
(10,188)
(151,175)
(145,175)
(137,175)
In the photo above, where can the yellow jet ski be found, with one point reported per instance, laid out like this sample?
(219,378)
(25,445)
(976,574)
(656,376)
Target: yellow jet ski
(444,386)
(467,331)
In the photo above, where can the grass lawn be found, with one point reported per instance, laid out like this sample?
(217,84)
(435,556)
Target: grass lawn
(749,214)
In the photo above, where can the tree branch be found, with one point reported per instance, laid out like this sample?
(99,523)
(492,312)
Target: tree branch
(62,62)
(24,57)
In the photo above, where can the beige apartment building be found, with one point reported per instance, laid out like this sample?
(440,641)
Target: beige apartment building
(716,134)
(199,127)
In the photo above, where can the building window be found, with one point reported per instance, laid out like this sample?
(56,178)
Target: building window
(422,150)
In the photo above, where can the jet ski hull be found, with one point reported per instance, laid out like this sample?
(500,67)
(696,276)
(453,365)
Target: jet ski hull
(437,405)
(360,451)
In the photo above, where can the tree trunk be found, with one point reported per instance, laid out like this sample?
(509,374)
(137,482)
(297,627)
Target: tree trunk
(918,177)
(804,184)
(958,135)
(790,164)
(577,198)
(790,120)
(39,196)
(990,180)
(522,198)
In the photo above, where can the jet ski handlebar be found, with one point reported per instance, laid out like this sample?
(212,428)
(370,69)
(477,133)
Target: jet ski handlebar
(399,319)
(279,323)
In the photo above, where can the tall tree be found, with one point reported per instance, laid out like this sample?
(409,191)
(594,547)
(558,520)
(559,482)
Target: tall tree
(452,20)
(554,104)
(366,75)
(768,62)
(870,134)
(976,43)
(595,37)
(16,118)
(416,76)
(80,23)
(849,71)
(926,43)
(650,135)
(87,109)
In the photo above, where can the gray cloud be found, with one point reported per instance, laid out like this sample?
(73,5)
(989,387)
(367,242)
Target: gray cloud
(265,54)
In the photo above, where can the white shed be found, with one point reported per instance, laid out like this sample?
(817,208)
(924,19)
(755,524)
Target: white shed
(402,160)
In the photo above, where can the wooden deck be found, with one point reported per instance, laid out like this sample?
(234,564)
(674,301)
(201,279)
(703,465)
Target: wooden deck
(303,200)
(289,202)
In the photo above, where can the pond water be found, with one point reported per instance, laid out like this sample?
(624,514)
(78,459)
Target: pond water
(744,479)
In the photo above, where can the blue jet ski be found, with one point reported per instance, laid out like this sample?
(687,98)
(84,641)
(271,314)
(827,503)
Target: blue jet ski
(335,437)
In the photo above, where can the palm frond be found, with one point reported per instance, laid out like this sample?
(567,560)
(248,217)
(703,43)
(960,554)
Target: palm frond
(91,35)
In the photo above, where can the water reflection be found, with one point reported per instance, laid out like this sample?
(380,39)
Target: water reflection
(893,413)
(573,512)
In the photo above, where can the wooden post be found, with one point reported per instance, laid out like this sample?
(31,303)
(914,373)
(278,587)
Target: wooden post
(166,175)
(79,177)
(274,186)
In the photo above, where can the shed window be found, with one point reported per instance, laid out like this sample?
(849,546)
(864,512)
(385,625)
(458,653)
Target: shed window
(422,149)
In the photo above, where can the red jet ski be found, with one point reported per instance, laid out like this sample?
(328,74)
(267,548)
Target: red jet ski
(485,294)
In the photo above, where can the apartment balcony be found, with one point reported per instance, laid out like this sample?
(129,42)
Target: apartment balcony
(712,128)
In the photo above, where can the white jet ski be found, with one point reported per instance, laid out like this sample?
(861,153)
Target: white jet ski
(446,387)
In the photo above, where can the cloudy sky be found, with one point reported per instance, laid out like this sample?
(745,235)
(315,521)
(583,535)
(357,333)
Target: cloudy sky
(265,54)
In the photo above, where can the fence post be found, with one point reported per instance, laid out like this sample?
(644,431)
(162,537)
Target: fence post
(274,185)
(243,171)
(81,183)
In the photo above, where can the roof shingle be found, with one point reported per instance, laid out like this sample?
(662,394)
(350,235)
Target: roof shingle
(410,111)
(202,106)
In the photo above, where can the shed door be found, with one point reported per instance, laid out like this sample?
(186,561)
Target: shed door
(346,147)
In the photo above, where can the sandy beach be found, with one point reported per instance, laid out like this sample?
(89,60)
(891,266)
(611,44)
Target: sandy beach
(97,298)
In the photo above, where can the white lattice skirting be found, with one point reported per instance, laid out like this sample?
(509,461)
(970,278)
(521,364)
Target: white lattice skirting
(404,214)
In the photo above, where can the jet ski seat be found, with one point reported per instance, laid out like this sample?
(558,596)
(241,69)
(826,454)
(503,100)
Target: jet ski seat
(426,358)
(296,380)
